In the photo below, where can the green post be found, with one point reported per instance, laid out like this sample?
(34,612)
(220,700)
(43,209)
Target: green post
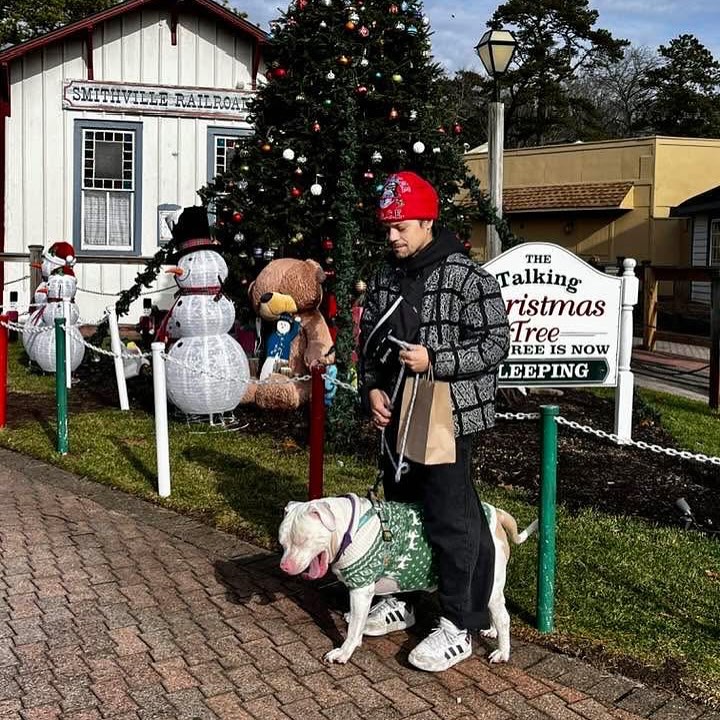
(61,398)
(548,492)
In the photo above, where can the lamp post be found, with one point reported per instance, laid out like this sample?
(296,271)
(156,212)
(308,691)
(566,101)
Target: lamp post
(495,49)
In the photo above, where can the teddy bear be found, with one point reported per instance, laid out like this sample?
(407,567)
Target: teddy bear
(291,287)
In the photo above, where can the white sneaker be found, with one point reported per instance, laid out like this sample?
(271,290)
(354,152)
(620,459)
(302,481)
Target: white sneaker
(388,615)
(444,647)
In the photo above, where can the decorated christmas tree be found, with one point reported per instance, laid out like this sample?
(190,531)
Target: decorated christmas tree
(351,96)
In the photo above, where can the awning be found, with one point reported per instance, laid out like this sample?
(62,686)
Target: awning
(708,201)
(564,198)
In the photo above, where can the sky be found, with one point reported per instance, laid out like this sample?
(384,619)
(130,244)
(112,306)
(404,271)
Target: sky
(458,24)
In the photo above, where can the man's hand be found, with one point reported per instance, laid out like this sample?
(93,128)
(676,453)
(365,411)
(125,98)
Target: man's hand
(380,410)
(415,358)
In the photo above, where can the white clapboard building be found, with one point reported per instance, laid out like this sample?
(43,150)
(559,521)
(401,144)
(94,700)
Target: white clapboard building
(110,123)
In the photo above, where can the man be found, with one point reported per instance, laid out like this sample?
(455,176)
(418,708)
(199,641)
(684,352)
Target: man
(450,314)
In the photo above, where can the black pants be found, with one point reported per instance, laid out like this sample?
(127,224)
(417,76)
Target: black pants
(456,527)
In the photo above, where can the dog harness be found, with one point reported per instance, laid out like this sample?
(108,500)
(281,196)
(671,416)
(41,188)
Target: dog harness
(407,558)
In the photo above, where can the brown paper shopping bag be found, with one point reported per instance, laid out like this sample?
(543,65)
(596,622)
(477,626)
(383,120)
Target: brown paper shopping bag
(426,433)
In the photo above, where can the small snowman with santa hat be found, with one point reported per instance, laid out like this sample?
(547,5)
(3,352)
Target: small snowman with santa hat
(58,261)
(207,369)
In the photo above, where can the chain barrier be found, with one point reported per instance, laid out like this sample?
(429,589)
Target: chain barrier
(517,416)
(12,282)
(117,294)
(683,454)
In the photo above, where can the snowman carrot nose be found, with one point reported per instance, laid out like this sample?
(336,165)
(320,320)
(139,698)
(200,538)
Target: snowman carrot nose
(178,272)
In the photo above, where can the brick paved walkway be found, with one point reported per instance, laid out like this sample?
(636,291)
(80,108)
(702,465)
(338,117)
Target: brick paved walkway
(112,607)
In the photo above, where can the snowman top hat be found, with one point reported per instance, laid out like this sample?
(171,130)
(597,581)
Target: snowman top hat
(192,231)
(61,257)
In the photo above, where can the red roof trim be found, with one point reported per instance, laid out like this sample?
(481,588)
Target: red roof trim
(80,26)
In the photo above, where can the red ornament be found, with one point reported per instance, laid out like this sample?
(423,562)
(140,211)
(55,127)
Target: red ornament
(368,175)
(328,244)
(361,90)
(394,114)
(329,273)
(316,126)
(302,4)
(296,192)
(279,73)
(393,9)
(457,128)
(237,216)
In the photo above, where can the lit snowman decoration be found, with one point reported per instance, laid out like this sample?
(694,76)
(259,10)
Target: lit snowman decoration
(199,322)
(61,286)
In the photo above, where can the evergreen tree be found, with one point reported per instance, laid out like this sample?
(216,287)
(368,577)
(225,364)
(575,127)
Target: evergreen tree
(686,85)
(352,95)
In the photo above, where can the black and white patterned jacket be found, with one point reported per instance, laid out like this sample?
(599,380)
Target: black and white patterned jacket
(462,323)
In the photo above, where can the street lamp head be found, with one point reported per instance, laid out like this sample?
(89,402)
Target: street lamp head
(496,49)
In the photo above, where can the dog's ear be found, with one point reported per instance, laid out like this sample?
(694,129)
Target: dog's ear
(290,506)
(325,514)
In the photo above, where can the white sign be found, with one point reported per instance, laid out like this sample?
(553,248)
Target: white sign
(137,99)
(564,318)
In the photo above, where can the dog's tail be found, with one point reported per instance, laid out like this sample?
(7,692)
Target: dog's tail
(511,529)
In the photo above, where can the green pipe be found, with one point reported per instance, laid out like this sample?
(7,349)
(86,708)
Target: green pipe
(61,398)
(546,543)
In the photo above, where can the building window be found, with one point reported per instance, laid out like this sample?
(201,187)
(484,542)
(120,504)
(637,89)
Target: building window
(107,208)
(715,242)
(222,144)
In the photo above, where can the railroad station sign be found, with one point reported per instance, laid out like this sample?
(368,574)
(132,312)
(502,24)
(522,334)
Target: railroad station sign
(564,318)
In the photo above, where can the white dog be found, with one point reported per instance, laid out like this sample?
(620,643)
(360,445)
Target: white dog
(346,535)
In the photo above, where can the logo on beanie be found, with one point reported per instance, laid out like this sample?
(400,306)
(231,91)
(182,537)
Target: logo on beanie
(407,196)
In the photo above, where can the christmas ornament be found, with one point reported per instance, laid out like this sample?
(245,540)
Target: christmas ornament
(441,130)
(288,154)
(361,90)
(300,97)
(368,175)
(302,159)
(237,216)
(350,25)
(376,157)
(328,244)
(327,102)
(269,74)
(296,192)
(316,189)
(315,127)
(245,168)
(269,254)
(378,75)
(257,252)
(329,261)
(418,148)
(296,238)
(298,171)
(393,114)
(379,188)
(412,30)
(400,26)
(238,238)
(330,273)
(467,245)
(330,75)
(397,78)
(343,60)
(279,73)
(266,147)
(404,6)
(323,24)
(360,286)
(302,4)
(326,3)
(425,20)
(363,32)
(393,9)
(457,128)
(413,115)
(354,17)
(436,150)
(364,62)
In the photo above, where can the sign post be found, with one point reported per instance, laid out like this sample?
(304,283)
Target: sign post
(570,324)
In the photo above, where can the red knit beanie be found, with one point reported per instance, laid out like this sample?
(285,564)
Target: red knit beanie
(407,196)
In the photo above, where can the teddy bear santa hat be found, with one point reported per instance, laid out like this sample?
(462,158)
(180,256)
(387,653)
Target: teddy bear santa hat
(61,255)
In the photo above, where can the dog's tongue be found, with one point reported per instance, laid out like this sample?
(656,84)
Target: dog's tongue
(318,567)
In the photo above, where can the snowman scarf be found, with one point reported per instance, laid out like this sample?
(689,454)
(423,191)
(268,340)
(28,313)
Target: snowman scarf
(215,290)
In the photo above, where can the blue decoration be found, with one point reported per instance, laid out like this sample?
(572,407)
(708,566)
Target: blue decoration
(330,386)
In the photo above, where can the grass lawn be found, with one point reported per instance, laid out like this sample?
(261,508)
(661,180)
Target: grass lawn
(646,599)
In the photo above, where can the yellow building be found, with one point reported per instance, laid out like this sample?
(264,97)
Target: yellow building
(605,199)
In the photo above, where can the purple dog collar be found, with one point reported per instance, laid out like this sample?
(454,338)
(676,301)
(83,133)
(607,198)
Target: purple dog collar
(347,537)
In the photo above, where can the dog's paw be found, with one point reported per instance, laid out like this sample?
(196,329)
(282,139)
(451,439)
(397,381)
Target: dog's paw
(489,633)
(338,655)
(498,656)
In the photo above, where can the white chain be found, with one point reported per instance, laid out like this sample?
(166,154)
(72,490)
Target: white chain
(148,292)
(110,353)
(684,454)
(12,282)
(518,416)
